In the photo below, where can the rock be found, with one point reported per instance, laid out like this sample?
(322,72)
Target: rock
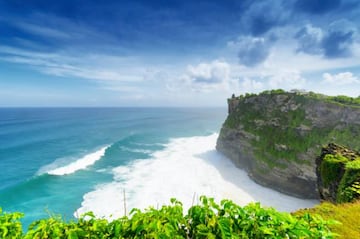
(276,137)
(331,173)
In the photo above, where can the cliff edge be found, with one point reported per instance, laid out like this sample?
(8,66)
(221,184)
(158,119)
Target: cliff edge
(338,174)
(276,136)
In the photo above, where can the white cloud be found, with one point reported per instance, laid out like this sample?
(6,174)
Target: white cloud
(155,75)
(309,39)
(53,27)
(250,85)
(43,31)
(251,51)
(287,80)
(343,78)
(90,66)
(214,72)
(207,77)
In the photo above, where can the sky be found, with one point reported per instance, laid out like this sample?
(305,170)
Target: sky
(142,53)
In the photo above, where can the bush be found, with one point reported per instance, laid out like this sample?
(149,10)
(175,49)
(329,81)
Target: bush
(348,188)
(207,220)
(10,226)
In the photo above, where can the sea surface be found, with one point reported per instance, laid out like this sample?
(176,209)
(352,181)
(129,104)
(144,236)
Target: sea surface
(69,161)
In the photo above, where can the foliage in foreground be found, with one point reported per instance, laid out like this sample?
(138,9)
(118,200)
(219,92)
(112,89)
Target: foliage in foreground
(207,220)
(348,214)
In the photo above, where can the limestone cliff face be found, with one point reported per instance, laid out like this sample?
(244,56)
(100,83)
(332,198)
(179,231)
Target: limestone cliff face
(276,136)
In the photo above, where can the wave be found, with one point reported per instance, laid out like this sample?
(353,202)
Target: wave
(81,163)
(134,150)
(185,169)
(147,144)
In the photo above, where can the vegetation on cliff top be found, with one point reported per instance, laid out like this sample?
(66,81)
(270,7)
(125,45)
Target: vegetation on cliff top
(341,99)
(208,220)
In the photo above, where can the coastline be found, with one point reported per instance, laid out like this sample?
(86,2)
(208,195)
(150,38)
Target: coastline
(185,169)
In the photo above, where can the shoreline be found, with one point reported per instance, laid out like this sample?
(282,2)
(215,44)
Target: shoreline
(184,168)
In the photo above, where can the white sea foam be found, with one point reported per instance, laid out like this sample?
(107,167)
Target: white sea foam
(78,164)
(187,167)
(147,144)
(135,150)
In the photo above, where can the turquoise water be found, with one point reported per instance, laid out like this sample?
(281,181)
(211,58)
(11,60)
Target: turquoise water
(51,158)
(109,160)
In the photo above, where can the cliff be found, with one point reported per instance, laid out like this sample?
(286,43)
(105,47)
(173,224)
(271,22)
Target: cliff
(338,174)
(276,136)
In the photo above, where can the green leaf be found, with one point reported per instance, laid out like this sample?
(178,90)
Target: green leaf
(73,234)
(225,228)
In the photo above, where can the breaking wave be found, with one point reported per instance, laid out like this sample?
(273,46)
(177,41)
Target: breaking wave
(56,168)
(185,169)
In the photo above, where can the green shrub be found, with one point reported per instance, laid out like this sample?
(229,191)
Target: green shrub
(348,190)
(207,220)
(10,225)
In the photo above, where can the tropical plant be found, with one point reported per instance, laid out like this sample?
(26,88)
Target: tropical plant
(207,220)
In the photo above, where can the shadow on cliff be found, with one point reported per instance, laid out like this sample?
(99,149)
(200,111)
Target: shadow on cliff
(252,191)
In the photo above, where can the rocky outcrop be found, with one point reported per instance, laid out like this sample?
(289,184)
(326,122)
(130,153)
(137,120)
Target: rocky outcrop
(335,176)
(276,136)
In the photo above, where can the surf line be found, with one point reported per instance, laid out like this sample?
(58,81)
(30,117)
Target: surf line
(79,164)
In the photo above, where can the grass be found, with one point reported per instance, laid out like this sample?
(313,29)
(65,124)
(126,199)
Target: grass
(347,214)
(331,168)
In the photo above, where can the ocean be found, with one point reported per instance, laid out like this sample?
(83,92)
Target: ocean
(67,161)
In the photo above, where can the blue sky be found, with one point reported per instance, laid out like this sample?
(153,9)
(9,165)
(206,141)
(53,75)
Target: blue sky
(174,53)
